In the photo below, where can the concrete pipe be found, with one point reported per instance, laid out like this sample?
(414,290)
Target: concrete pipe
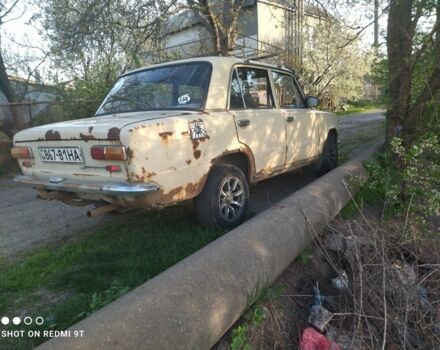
(192,304)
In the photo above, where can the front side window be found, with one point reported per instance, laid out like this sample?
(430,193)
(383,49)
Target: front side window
(252,85)
(286,92)
(182,86)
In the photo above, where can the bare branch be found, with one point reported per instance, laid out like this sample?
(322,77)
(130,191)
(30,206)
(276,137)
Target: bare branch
(8,11)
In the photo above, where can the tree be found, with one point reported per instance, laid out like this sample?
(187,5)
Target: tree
(220,20)
(17,123)
(407,45)
(111,34)
(5,86)
(334,64)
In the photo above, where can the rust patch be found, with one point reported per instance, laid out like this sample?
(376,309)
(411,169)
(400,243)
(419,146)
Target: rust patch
(86,137)
(145,177)
(159,198)
(113,134)
(195,144)
(52,135)
(188,161)
(184,133)
(130,154)
(196,152)
(193,189)
(251,160)
(166,135)
(147,174)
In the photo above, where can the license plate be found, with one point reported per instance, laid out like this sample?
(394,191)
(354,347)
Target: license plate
(61,154)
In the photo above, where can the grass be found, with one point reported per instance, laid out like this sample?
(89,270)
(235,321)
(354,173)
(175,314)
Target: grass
(65,284)
(359,107)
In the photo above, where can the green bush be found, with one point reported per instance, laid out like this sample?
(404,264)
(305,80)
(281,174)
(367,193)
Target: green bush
(406,179)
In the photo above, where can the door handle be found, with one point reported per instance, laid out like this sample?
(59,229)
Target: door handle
(290,119)
(243,122)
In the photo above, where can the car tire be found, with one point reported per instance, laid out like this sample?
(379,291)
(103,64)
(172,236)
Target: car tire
(329,157)
(224,200)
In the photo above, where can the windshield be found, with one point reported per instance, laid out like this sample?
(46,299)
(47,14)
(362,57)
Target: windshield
(180,86)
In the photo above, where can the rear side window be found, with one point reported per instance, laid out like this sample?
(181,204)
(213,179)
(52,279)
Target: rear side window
(253,86)
(236,99)
(286,91)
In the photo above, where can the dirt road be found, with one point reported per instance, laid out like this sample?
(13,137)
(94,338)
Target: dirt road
(27,223)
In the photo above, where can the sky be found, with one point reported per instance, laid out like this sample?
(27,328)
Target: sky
(17,29)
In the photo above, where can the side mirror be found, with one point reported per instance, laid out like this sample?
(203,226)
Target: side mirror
(312,101)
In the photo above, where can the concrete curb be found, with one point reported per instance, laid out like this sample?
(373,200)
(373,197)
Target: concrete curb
(192,304)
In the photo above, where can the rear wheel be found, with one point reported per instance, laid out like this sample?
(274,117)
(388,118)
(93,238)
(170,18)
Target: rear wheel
(329,157)
(224,199)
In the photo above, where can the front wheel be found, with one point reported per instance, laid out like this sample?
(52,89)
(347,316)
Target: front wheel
(224,199)
(329,157)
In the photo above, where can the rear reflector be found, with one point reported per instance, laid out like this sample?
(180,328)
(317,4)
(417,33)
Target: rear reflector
(113,168)
(21,152)
(108,152)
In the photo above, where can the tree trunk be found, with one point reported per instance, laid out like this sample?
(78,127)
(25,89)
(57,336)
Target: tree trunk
(399,41)
(5,86)
(413,124)
(376,25)
(17,123)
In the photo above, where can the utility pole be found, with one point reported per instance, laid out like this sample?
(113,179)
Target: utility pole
(376,25)
(299,24)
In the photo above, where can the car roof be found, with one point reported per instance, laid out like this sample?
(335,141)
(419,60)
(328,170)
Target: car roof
(221,61)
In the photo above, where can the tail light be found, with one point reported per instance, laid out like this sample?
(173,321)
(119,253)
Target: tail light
(21,152)
(108,152)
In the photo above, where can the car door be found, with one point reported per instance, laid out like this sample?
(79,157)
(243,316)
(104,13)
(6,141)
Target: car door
(260,125)
(302,124)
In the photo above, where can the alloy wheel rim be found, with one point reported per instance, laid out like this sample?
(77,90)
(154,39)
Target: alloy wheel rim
(231,198)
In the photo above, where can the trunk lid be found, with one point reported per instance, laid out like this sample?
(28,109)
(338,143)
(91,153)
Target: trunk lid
(81,134)
(105,127)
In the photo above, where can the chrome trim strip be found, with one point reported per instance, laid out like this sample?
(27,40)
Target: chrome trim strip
(108,188)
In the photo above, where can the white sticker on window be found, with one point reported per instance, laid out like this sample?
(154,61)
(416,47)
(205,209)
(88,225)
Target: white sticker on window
(197,129)
(183,99)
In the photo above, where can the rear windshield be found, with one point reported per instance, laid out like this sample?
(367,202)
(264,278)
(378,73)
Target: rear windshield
(181,86)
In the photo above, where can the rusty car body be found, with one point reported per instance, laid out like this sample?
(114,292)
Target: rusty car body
(161,131)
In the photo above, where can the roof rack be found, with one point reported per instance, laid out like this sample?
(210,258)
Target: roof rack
(246,47)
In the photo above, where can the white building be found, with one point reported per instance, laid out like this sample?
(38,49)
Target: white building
(265,28)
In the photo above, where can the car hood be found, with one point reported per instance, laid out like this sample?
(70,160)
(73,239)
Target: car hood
(105,127)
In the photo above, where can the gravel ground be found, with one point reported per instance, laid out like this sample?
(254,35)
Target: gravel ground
(27,223)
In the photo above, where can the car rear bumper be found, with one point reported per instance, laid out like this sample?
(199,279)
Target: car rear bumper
(106,188)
